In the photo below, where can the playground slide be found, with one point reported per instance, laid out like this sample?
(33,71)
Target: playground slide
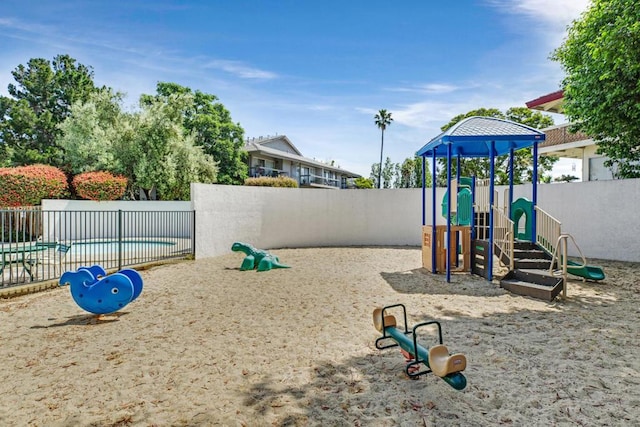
(588,271)
(461,215)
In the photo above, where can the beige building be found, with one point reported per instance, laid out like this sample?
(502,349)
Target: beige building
(561,142)
(277,156)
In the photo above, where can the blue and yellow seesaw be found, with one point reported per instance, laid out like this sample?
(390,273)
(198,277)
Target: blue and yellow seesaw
(437,359)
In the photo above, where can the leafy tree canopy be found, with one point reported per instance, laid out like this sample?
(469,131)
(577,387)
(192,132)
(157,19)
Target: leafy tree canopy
(601,58)
(396,175)
(387,174)
(212,127)
(90,132)
(523,163)
(150,148)
(39,101)
(160,155)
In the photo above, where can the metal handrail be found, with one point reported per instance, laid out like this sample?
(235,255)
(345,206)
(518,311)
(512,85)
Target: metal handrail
(562,260)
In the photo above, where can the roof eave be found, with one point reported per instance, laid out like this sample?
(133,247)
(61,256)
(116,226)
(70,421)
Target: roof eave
(551,102)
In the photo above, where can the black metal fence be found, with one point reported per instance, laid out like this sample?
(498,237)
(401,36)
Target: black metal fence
(38,245)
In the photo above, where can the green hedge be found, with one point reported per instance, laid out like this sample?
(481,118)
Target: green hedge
(28,185)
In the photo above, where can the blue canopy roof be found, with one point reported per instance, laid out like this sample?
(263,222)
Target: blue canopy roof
(472,137)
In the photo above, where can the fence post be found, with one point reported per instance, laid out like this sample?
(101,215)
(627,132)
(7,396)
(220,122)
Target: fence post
(193,236)
(119,239)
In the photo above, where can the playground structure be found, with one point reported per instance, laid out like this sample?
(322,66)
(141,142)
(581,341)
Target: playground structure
(256,259)
(98,293)
(479,228)
(436,359)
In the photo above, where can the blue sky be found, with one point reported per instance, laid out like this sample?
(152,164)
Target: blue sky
(316,71)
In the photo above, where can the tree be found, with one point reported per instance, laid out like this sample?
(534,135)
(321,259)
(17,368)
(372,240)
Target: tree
(39,102)
(523,164)
(160,155)
(388,172)
(411,174)
(151,148)
(601,58)
(566,178)
(375,175)
(405,175)
(397,176)
(213,130)
(382,120)
(90,132)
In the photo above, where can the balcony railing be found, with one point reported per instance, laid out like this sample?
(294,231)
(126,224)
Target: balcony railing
(562,135)
(258,171)
(310,179)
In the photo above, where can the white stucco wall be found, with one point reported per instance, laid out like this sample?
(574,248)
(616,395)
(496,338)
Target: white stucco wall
(602,216)
(114,205)
(275,217)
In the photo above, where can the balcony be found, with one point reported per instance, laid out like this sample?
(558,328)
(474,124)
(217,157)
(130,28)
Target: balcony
(258,171)
(561,135)
(310,180)
(561,142)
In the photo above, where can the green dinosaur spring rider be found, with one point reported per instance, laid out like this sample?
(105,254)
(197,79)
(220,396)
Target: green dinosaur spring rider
(256,258)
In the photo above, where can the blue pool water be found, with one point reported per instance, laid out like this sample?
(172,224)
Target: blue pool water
(112,247)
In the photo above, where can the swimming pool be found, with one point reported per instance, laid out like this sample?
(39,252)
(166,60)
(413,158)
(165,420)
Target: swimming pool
(108,247)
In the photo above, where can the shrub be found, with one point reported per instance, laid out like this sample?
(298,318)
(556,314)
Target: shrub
(267,181)
(28,185)
(363,183)
(99,186)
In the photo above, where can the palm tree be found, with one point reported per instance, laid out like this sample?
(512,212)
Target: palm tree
(383,119)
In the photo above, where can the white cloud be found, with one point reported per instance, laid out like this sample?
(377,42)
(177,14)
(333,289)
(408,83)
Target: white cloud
(548,18)
(438,88)
(429,88)
(427,114)
(241,70)
(14,24)
(553,14)
(556,13)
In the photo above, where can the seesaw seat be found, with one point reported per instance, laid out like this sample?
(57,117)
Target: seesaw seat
(442,363)
(380,321)
(437,359)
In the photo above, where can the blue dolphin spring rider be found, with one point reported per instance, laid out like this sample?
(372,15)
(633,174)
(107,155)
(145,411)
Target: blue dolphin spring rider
(98,293)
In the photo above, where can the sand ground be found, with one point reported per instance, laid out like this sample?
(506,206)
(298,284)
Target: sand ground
(207,344)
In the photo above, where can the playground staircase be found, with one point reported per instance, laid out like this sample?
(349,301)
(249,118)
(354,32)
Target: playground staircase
(530,276)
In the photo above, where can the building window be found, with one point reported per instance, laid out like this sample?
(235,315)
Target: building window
(598,171)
